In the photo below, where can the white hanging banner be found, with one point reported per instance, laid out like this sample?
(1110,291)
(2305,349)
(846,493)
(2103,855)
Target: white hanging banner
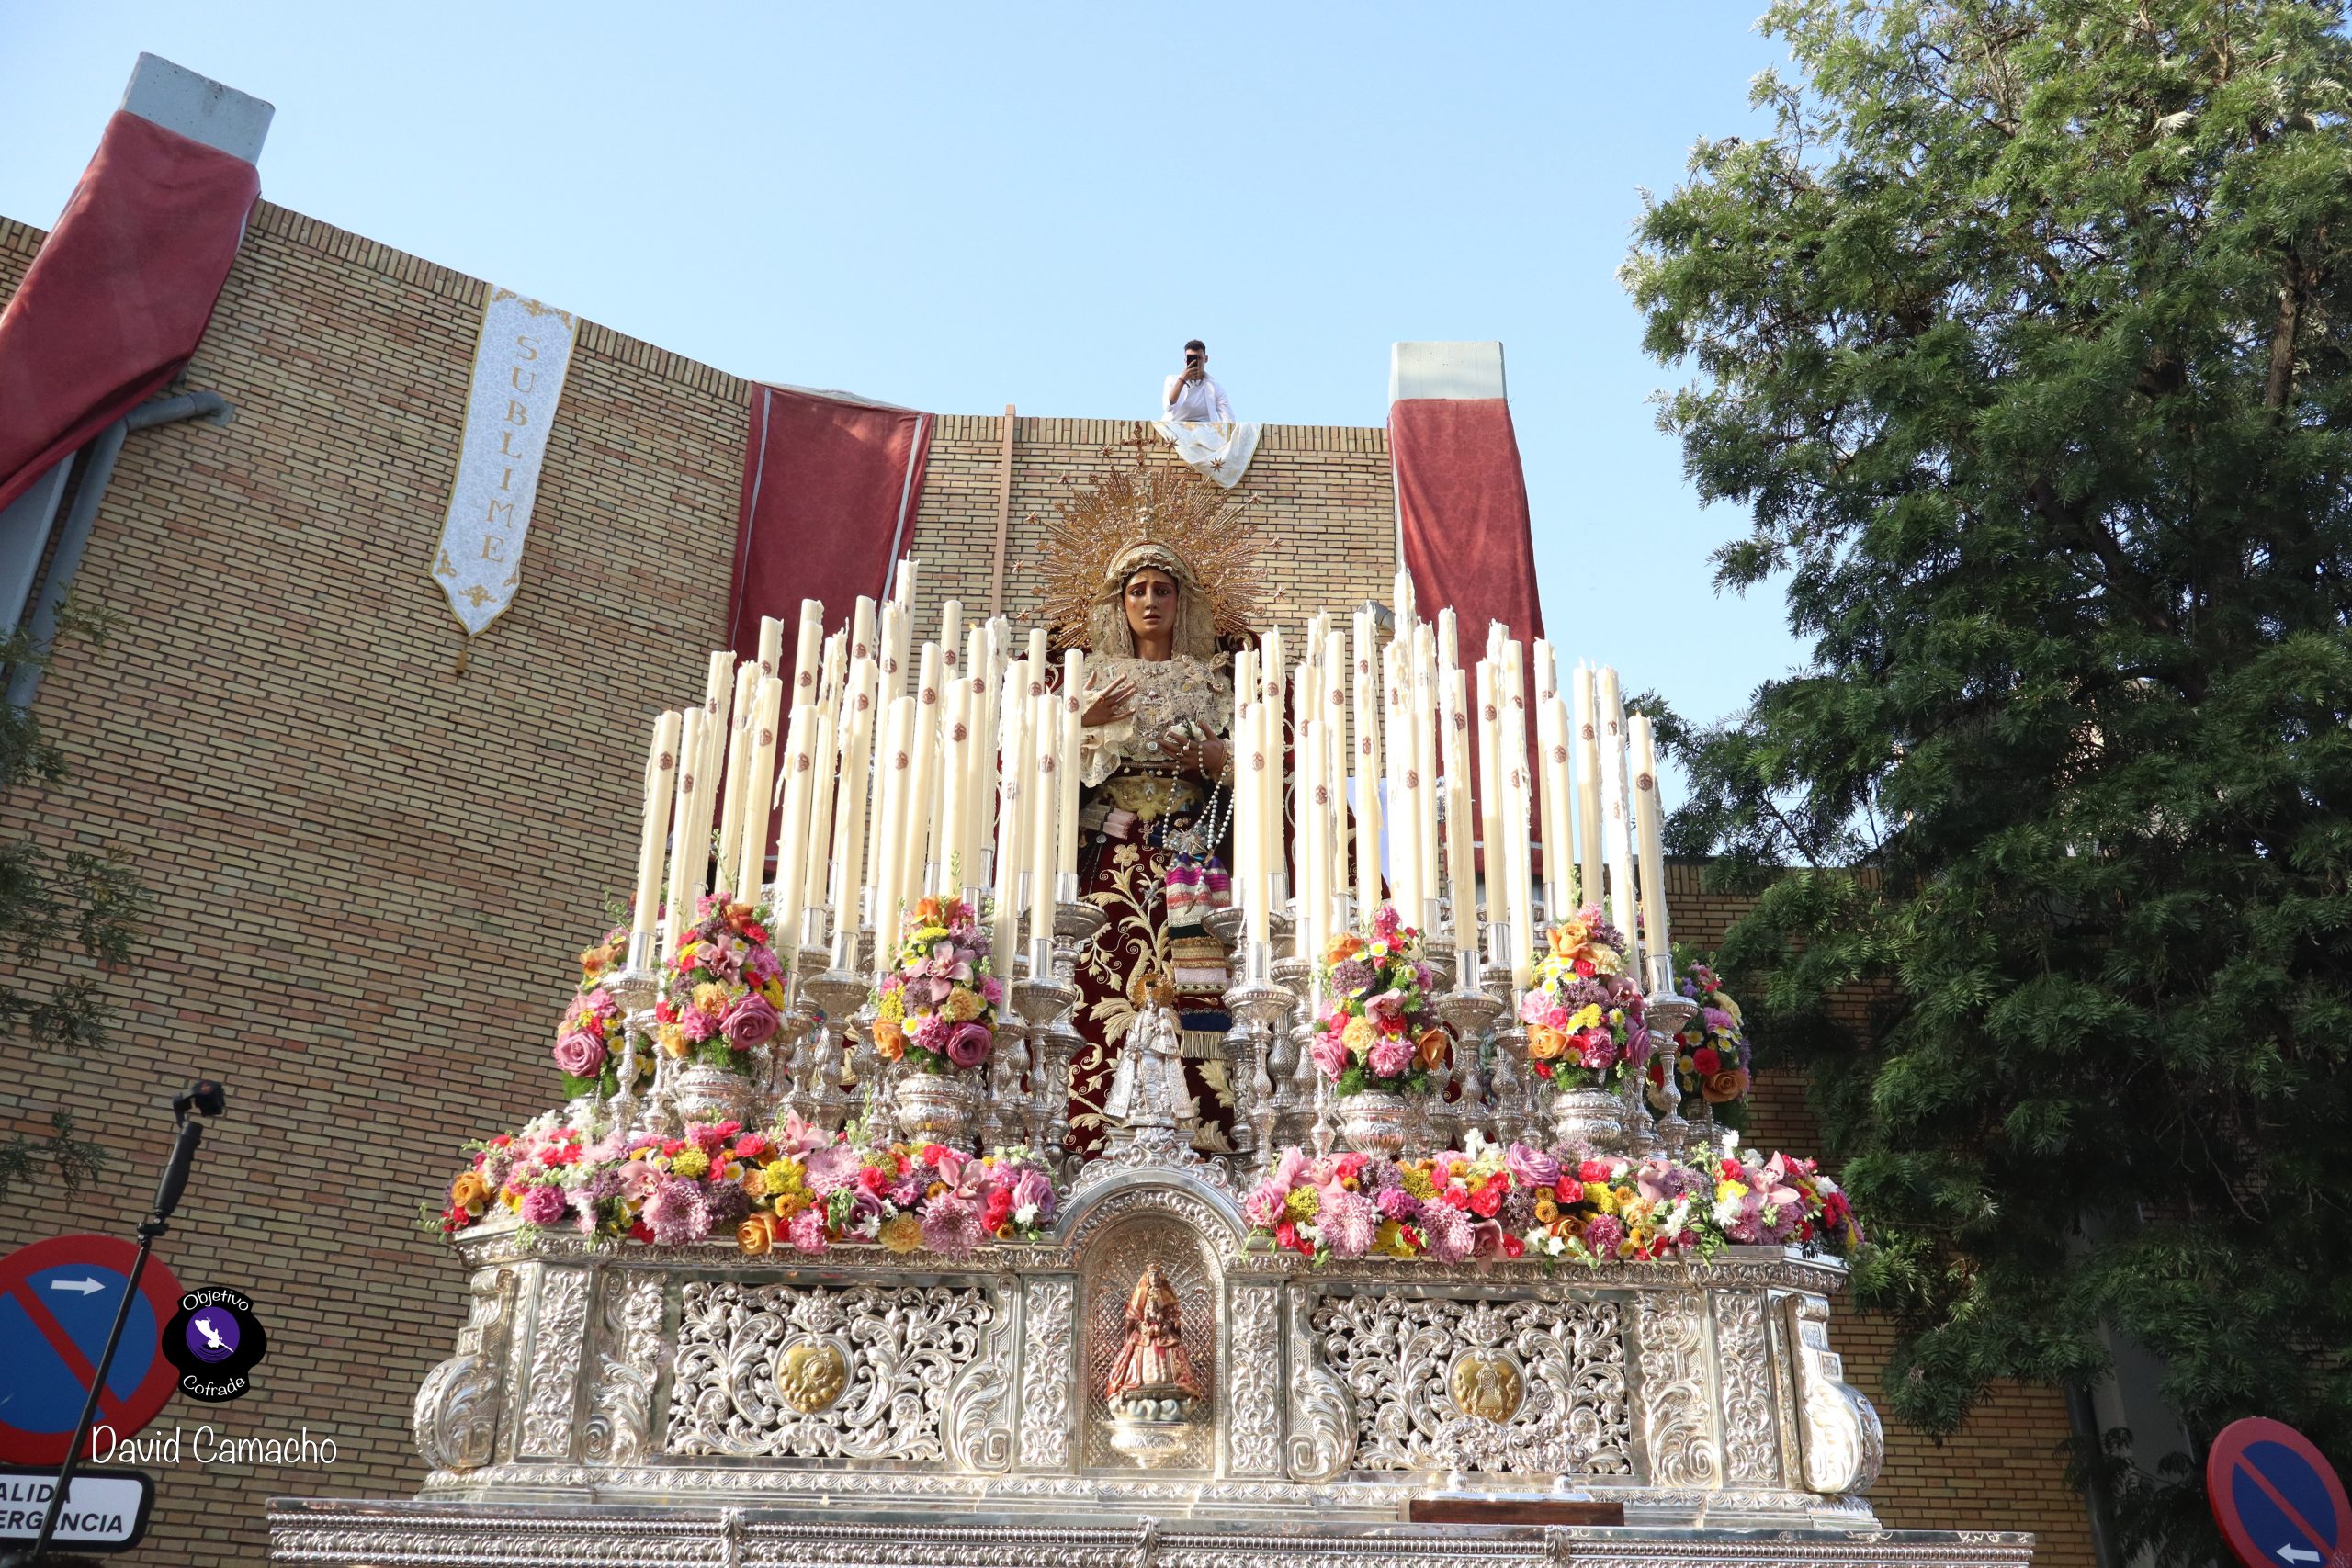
(519,365)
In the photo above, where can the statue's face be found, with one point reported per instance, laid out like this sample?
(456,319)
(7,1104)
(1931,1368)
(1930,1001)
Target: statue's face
(1150,600)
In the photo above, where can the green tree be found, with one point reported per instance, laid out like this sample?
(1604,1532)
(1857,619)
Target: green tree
(51,907)
(2022,340)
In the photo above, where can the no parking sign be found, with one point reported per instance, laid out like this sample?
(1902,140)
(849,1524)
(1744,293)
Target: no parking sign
(58,1298)
(2279,1502)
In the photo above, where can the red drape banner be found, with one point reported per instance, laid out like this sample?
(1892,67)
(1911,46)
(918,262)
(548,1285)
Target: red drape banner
(120,293)
(1462,501)
(829,493)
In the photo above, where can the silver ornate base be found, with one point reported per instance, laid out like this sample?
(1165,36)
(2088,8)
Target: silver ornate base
(343,1534)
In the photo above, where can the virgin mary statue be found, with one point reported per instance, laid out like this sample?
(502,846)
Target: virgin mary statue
(1151,571)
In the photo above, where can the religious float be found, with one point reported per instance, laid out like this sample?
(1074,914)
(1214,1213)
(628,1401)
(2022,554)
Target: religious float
(1150,1109)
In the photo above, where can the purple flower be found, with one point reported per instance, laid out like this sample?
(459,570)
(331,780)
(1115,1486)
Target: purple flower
(1352,976)
(580,1054)
(1347,1220)
(831,1169)
(1530,1167)
(1425,978)
(950,1225)
(805,1231)
(762,964)
(1394,1203)
(728,1204)
(751,1021)
(970,1044)
(1602,1234)
(910,1187)
(1031,1190)
(1448,1229)
(543,1205)
(1716,1019)
(676,1214)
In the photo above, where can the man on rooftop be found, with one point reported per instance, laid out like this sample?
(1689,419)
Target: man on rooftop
(1192,396)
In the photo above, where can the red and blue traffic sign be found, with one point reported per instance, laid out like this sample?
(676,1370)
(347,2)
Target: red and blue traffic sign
(2279,1502)
(58,1299)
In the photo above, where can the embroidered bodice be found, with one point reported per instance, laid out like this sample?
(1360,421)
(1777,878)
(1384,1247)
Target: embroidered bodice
(1168,692)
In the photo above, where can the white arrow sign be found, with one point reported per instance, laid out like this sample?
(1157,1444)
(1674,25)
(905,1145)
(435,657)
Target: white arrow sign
(82,1287)
(2291,1553)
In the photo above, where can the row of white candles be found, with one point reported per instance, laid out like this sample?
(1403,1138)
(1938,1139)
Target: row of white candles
(876,796)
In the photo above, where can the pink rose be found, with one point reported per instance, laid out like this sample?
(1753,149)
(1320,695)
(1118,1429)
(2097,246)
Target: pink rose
(970,1044)
(580,1052)
(1330,1053)
(1391,1054)
(752,1020)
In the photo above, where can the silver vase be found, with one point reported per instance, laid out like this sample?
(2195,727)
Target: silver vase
(704,1093)
(1376,1122)
(934,1108)
(1589,1119)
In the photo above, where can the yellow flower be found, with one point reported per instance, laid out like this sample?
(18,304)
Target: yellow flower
(891,1006)
(1602,1196)
(469,1193)
(1730,1191)
(1546,1211)
(711,997)
(1587,1017)
(964,1004)
(753,1237)
(784,1179)
(673,1037)
(1417,1182)
(1389,1240)
(1303,1204)
(1727,1006)
(902,1232)
(1358,1035)
(689,1163)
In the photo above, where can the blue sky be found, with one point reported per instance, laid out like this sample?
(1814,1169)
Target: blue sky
(959,207)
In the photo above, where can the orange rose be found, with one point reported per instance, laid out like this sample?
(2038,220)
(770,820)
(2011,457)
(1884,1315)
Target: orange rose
(753,1237)
(1568,939)
(469,1193)
(1545,1043)
(1432,1046)
(1721,1087)
(889,1040)
(1344,946)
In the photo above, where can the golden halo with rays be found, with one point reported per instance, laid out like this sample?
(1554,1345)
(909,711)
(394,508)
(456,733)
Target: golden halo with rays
(1164,503)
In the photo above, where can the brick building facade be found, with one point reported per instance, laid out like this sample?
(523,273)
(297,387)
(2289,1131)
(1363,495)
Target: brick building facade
(373,870)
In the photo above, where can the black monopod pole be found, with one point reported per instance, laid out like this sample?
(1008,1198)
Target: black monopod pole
(208,1100)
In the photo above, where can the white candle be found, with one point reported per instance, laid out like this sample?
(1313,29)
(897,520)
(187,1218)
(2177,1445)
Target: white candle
(685,865)
(792,843)
(1552,802)
(771,644)
(954,784)
(980,800)
(718,690)
(1073,705)
(1487,722)
(815,891)
(752,834)
(1309,828)
(806,652)
(1425,832)
(923,868)
(893,633)
(1649,823)
(1403,801)
(902,592)
(1252,789)
(661,794)
(1044,797)
(1520,887)
(1402,603)
(738,759)
(1449,639)
(858,718)
(1367,768)
(1015,762)
(1334,676)
(828,688)
(1584,735)
(1460,881)
(1618,826)
(951,637)
(1273,674)
(864,638)
(893,786)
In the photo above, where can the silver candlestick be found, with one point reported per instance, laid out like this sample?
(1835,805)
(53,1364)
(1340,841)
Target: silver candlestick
(1664,1014)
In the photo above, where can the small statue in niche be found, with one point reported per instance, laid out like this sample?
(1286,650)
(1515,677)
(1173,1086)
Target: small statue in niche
(1152,1378)
(1148,1100)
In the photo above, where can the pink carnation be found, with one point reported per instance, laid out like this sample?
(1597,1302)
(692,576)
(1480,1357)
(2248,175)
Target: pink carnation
(676,1214)
(805,1231)
(1391,1054)
(1264,1204)
(543,1205)
(1330,1053)
(699,1023)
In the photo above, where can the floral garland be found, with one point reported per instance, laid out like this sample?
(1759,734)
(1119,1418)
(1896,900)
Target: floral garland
(1711,1053)
(1514,1201)
(796,1185)
(1378,1033)
(937,1008)
(1584,1012)
(724,992)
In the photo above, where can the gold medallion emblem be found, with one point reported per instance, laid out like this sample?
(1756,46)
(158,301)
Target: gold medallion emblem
(1486,1386)
(810,1376)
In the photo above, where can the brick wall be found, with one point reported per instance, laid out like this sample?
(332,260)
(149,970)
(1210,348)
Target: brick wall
(374,870)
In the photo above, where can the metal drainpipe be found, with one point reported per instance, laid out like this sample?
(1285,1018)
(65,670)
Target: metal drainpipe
(97,472)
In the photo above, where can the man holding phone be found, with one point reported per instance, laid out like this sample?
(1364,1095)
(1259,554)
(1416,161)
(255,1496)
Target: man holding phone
(1192,396)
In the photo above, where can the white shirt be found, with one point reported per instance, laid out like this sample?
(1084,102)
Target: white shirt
(1201,402)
